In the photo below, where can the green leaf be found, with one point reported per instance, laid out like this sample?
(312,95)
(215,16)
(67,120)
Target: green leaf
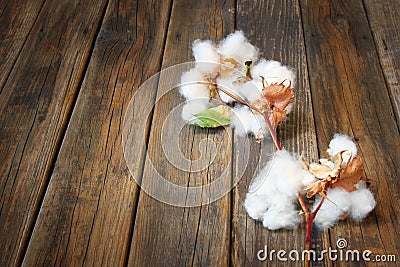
(214,117)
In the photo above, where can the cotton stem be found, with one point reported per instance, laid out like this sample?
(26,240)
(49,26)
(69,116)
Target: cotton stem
(310,216)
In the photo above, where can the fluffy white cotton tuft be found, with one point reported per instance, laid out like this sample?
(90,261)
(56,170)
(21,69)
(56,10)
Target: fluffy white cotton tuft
(362,203)
(237,47)
(341,142)
(205,51)
(331,211)
(251,90)
(273,193)
(244,122)
(274,72)
(256,205)
(276,218)
(193,107)
(358,203)
(193,85)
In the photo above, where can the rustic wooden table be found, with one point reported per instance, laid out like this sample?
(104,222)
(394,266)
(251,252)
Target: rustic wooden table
(68,70)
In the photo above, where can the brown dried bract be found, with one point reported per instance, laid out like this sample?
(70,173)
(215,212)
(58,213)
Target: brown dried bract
(332,174)
(350,175)
(278,115)
(278,97)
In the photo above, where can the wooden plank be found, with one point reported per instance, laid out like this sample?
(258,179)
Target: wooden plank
(384,20)
(34,109)
(275,27)
(166,235)
(86,215)
(16,20)
(350,96)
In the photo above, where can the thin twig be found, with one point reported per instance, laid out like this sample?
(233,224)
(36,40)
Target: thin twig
(265,114)
(319,206)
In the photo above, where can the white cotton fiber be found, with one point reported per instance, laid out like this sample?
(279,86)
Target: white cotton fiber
(282,174)
(251,90)
(275,218)
(273,193)
(333,208)
(237,47)
(193,85)
(362,203)
(228,85)
(287,174)
(341,142)
(359,203)
(256,206)
(244,122)
(193,107)
(206,56)
(274,72)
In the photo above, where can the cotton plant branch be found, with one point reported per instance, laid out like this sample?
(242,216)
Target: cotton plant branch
(309,223)
(255,97)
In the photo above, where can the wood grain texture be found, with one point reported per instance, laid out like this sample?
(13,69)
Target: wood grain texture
(350,96)
(35,106)
(384,20)
(68,70)
(16,21)
(275,27)
(167,235)
(87,211)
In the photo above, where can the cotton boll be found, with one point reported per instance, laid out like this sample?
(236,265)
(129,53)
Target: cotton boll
(193,85)
(274,72)
(281,176)
(205,51)
(333,208)
(276,218)
(261,195)
(228,85)
(255,205)
(341,142)
(251,90)
(273,192)
(244,121)
(237,47)
(259,184)
(362,203)
(285,172)
(193,107)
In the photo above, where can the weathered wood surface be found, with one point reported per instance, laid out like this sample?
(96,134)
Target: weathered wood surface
(16,21)
(190,235)
(68,70)
(86,215)
(384,19)
(35,105)
(350,95)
